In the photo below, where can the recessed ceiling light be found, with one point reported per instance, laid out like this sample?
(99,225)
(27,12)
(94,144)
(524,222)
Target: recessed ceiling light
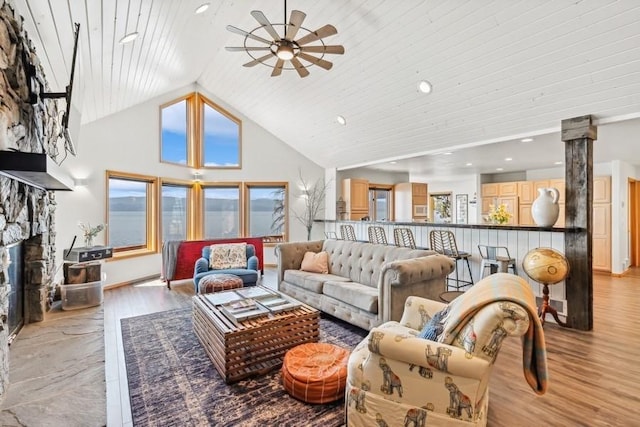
(527,140)
(129,38)
(557,163)
(499,169)
(507,159)
(341,120)
(203,7)
(425,87)
(393,163)
(469,164)
(447,153)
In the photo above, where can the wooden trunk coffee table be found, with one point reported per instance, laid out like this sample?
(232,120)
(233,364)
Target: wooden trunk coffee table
(254,346)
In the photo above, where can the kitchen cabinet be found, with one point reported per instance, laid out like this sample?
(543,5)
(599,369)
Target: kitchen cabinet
(355,193)
(602,189)
(490,190)
(410,201)
(508,189)
(526,192)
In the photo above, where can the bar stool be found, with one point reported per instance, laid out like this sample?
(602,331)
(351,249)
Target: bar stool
(403,237)
(347,232)
(330,235)
(377,235)
(497,258)
(444,242)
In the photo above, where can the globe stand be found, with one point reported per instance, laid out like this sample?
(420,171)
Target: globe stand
(547,308)
(546,266)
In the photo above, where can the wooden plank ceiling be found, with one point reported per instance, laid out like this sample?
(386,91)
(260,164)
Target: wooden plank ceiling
(500,69)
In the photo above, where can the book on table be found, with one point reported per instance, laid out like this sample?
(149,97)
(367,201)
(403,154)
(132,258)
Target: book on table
(243,309)
(278,302)
(224,297)
(256,292)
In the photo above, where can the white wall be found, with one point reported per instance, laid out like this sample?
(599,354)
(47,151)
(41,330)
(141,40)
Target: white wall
(129,141)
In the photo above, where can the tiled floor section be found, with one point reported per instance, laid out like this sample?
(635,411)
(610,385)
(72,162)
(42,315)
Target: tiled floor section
(57,372)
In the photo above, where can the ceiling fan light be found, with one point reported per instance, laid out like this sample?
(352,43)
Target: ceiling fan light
(285,52)
(128,38)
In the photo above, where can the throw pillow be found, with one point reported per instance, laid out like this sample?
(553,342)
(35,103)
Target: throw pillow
(315,262)
(434,327)
(228,255)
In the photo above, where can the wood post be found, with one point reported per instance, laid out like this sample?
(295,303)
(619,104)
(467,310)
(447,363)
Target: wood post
(578,134)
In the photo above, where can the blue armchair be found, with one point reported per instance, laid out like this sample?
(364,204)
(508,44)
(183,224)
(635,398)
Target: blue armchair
(248,275)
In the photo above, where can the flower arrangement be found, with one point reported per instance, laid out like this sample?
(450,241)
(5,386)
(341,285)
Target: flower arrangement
(90,232)
(499,215)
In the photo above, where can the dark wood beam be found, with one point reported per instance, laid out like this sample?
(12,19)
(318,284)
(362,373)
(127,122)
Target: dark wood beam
(578,134)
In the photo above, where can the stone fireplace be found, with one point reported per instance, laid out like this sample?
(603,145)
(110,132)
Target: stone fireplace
(27,124)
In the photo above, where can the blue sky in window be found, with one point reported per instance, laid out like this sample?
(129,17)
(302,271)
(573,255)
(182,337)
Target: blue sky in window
(174,133)
(222,193)
(126,188)
(221,139)
(221,136)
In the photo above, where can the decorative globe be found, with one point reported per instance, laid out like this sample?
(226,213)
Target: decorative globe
(545,265)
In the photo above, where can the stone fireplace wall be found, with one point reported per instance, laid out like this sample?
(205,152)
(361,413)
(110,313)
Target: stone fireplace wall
(26,213)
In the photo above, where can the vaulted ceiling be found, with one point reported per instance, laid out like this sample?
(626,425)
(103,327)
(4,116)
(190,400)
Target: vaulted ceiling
(501,70)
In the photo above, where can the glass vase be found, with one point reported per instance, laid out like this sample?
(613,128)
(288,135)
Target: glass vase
(88,241)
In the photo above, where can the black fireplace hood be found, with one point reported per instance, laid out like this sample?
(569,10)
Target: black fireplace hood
(35,169)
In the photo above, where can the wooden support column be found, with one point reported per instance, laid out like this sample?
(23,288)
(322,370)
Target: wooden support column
(578,134)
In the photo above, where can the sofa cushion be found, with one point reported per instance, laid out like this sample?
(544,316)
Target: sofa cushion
(315,262)
(352,293)
(363,262)
(310,281)
(228,255)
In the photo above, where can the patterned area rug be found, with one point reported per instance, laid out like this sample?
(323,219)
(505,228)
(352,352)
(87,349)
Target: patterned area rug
(173,383)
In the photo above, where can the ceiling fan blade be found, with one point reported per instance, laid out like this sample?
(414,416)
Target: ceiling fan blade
(319,62)
(277,70)
(338,50)
(246,34)
(247,49)
(320,33)
(295,22)
(258,60)
(262,20)
(302,72)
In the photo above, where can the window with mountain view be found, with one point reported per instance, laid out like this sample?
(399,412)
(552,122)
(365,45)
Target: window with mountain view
(267,211)
(174,125)
(222,211)
(175,199)
(131,212)
(220,137)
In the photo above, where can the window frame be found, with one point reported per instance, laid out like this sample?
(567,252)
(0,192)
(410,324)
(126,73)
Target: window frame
(152,208)
(201,205)
(190,204)
(191,125)
(201,101)
(247,208)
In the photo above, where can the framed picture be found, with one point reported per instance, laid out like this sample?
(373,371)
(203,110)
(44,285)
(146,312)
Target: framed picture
(462,208)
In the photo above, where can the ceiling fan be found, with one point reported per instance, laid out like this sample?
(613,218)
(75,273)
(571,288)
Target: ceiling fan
(286,49)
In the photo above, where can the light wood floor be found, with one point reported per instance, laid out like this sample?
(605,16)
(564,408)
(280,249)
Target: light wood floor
(594,376)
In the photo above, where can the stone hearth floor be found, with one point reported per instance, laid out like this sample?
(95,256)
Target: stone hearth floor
(57,372)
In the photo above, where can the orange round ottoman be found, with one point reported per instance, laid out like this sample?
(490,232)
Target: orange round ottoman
(315,372)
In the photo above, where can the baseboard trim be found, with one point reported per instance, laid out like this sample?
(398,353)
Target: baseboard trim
(132,282)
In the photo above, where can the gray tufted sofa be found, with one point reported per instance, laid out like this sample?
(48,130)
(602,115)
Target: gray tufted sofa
(367,284)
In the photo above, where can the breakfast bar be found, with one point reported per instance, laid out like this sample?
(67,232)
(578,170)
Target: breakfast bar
(517,239)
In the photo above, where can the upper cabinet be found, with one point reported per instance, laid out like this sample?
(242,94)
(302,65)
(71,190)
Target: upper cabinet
(526,192)
(507,189)
(491,190)
(410,201)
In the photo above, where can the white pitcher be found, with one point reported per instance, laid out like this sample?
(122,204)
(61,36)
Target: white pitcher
(545,209)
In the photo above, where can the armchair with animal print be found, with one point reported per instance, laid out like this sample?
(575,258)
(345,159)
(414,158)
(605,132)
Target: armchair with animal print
(396,378)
